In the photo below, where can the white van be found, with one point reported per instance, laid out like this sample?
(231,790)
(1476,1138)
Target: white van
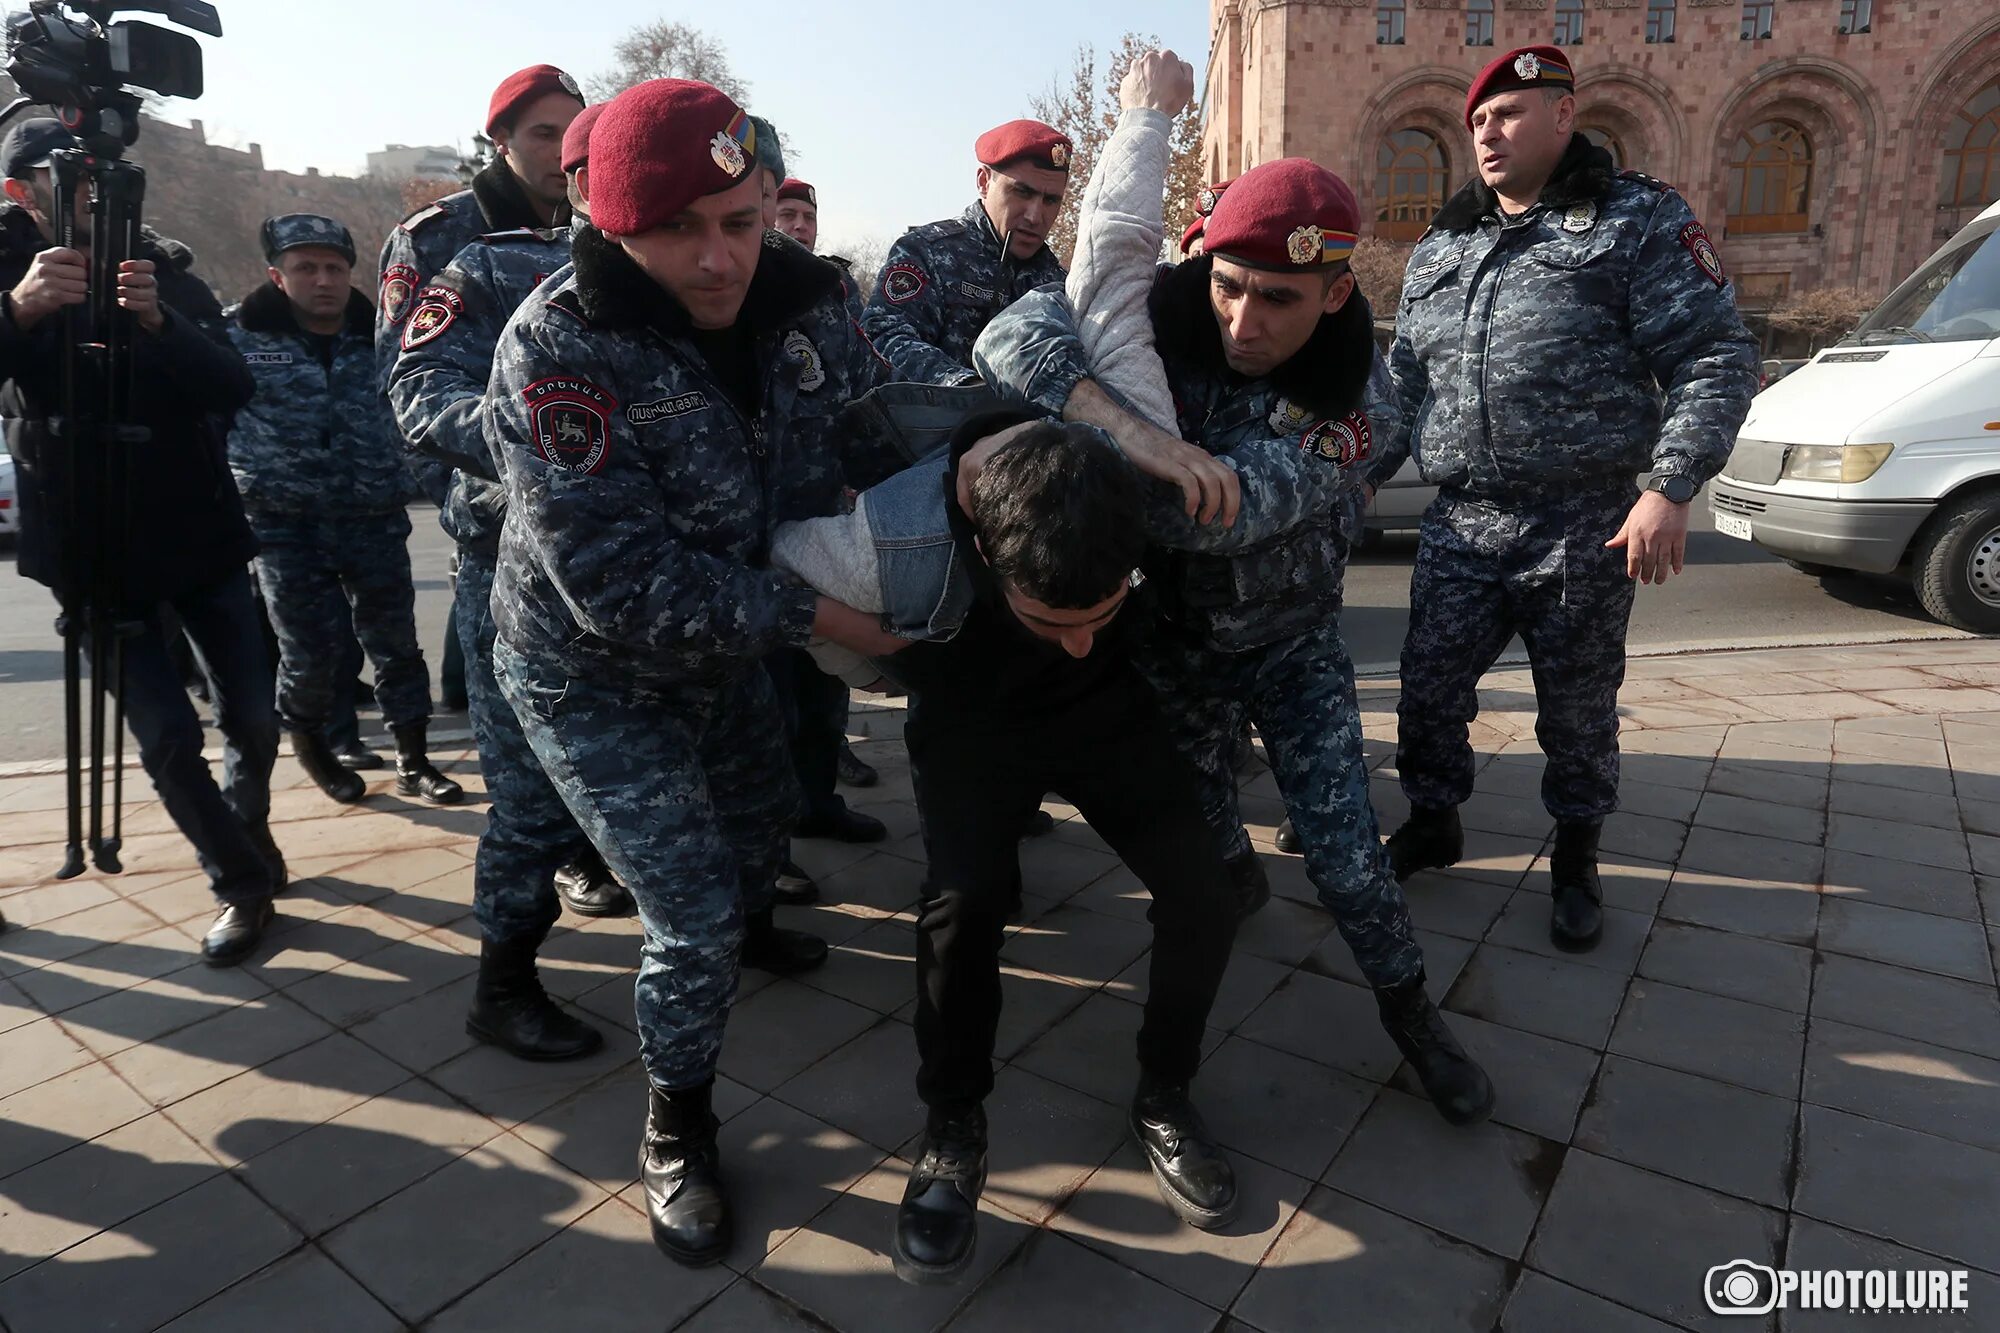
(1883,452)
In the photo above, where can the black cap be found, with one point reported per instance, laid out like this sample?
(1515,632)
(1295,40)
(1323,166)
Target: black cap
(291,231)
(30,142)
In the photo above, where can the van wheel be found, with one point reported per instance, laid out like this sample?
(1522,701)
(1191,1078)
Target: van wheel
(1956,565)
(1809,569)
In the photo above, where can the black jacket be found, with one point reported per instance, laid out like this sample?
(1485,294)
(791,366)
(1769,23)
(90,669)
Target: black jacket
(185,528)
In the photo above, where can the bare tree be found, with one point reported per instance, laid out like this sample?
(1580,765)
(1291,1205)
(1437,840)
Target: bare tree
(477,160)
(866,256)
(1823,314)
(1378,270)
(417,191)
(666,49)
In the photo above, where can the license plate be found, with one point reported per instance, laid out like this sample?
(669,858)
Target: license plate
(1729,525)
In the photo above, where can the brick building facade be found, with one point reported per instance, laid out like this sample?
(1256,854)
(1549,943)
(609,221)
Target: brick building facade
(1824,142)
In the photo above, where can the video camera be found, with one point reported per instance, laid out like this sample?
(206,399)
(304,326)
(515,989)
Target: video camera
(69,54)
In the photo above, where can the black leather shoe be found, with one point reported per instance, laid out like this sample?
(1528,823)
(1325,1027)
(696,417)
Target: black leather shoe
(772,948)
(680,1171)
(1577,920)
(854,772)
(1456,1085)
(937,1226)
(847,826)
(273,857)
(512,1011)
(1193,1173)
(1252,884)
(317,759)
(236,932)
(356,757)
(1428,840)
(415,774)
(586,888)
(1039,825)
(795,887)
(1287,839)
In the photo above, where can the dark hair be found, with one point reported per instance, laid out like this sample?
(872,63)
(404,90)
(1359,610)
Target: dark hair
(1060,515)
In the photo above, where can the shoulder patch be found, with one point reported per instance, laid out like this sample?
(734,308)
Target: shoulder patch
(267,358)
(438,308)
(900,282)
(1343,443)
(1695,237)
(399,284)
(571,419)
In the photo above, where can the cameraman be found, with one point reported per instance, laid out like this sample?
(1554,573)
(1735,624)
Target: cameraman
(187,544)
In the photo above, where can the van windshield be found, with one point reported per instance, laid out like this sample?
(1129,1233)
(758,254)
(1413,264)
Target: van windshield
(1954,298)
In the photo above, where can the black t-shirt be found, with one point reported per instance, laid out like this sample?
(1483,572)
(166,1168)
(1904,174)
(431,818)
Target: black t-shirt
(731,357)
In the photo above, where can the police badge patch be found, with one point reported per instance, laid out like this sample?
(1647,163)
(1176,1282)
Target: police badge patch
(399,283)
(1288,418)
(1305,244)
(1528,65)
(900,282)
(728,153)
(1344,442)
(812,371)
(1695,237)
(568,85)
(1580,218)
(571,419)
(437,308)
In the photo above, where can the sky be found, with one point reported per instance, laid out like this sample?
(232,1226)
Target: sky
(879,102)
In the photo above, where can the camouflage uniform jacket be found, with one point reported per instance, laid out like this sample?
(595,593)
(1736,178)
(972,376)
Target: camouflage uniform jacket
(316,439)
(438,386)
(640,497)
(1296,438)
(1588,340)
(940,286)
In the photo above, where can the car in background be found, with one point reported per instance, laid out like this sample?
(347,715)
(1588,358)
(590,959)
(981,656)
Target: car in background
(10,501)
(1399,506)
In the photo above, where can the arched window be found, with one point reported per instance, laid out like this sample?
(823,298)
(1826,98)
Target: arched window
(1412,178)
(1479,22)
(1770,171)
(1569,22)
(1389,23)
(1971,176)
(1608,141)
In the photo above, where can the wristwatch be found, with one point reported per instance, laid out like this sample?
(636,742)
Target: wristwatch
(1675,487)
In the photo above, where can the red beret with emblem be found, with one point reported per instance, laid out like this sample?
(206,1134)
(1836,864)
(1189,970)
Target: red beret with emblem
(1525,67)
(1292,215)
(576,139)
(661,145)
(1192,234)
(1039,145)
(794,188)
(524,86)
(1204,204)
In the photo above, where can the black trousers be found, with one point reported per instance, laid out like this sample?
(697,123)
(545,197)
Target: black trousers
(977,779)
(815,708)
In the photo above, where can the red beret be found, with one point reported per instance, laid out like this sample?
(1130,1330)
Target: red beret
(524,86)
(660,146)
(1204,203)
(1042,145)
(1287,215)
(1192,234)
(1528,67)
(576,139)
(794,188)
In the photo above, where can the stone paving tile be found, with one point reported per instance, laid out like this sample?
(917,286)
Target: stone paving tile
(1445,956)
(1720,962)
(1905,1082)
(50,1117)
(106,970)
(1814,1245)
(1782,910)
(1247,984)
(510,1090)
(1747,856)
(1055,1282)
(1541,1304)
(1446,905)
(1326,1021)
(1077,945)
(1914,1189)
(151,1009)
(1539,995)
(1805,791)
(193,1058)
(1906,939)
(1646,1241)
(875,969)
(784,1169)
(1525,926)
(1094,1049)
(867,1087)
(1628,833)
(52,942)
(1956,1014)
(1761,817)
(1891,883)
(260,1108)
(1279,1108)
(422,1033)
(1538,1083)
(1915,843)
(1900,804)
(303,1293)
(785,1028)
(1681,1029)
(1284,932)
(15,1007)
(36,1052)
(1045,1141)
(1379,1271)
(1726,1138)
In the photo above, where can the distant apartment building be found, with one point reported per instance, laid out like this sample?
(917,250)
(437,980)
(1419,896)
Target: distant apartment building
(403,162)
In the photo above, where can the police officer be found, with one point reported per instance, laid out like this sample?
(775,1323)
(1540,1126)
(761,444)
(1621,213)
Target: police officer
(316,459)
(657,409)
(1564,327)
(532,856)
(1269,352)
(942,282)
(798,218)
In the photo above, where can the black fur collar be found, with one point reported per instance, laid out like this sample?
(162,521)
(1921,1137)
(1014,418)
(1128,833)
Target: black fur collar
(1326,377)
(613,292)
(504,204)
(1583,175)
(268,310)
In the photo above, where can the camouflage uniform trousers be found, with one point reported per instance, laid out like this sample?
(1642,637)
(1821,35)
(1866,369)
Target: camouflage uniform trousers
(321,573)
(1485,572)
(530,833)
(1300,694)
(688,794)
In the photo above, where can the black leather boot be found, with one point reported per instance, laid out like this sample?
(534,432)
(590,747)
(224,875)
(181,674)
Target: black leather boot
(680,1171)
(586,887)
(1287,839)
(1252,884)
(355,756)
(771,948)
(415,775)
(236,932)
(1578,917)
(1189,1166)
(317,759)
(938,1223)
(1428,840)
(1039,824)
(1457,1086)
(843,826)
(512,1011)
(854,771)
